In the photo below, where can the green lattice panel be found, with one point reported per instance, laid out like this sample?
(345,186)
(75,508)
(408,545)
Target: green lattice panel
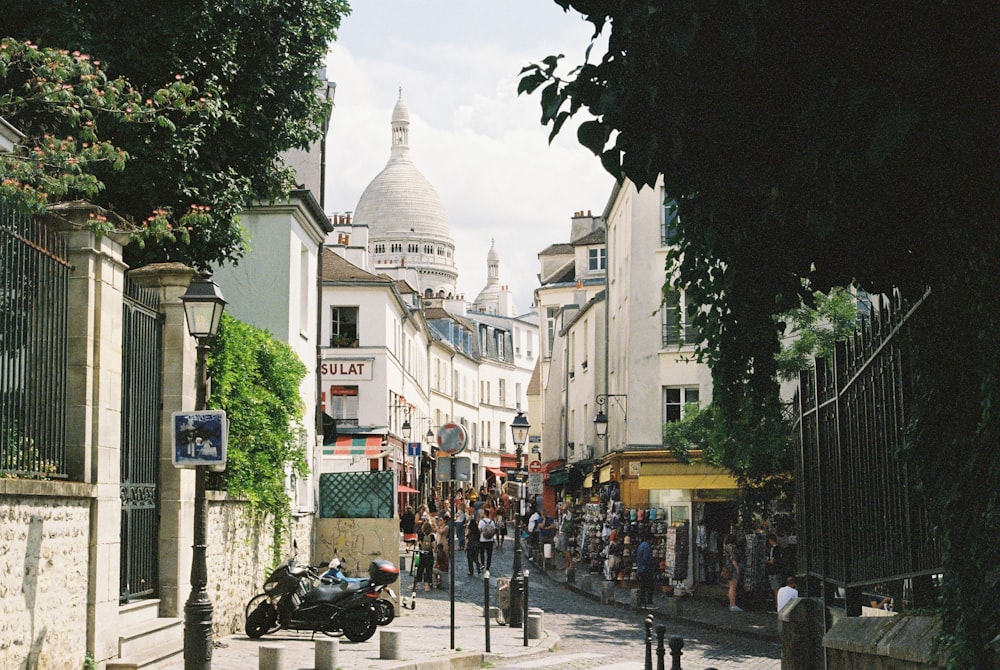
(356,495)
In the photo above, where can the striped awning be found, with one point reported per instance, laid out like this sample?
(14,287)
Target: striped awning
(368,446)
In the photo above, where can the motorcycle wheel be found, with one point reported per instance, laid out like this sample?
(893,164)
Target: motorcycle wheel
(262,620)
(359,625)
(385,612)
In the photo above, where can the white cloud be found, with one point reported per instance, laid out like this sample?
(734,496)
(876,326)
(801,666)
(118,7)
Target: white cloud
(479,143)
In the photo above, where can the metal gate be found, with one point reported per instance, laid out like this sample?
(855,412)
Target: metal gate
(140,441)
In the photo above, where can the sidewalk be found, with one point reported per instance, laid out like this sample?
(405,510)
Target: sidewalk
(426,633)
(706,607)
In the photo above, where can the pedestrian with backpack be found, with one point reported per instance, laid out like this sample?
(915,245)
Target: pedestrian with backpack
(487,531)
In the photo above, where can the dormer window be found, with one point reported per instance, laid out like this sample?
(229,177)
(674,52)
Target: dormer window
(597,259)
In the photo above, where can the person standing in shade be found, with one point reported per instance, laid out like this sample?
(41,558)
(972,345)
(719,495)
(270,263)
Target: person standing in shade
(772,566)
(487,531)
(787,593)
(645,568)
(733,564)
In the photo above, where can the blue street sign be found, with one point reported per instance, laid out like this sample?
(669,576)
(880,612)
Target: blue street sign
(200,438)
(412,448)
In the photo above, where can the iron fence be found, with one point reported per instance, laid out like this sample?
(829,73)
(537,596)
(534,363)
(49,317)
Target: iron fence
(142,355)
(34,282)
(863,526)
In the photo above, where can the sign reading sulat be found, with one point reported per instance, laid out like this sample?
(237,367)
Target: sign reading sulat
(348,369)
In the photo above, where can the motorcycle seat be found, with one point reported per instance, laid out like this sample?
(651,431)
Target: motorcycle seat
(331,593)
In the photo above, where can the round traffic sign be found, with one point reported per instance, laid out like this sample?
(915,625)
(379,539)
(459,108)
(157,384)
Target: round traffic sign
(452,439)
(534,466)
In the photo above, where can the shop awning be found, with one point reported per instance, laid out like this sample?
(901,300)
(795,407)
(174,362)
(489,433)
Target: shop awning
(557,477)
(604,475)
(496,472)
(403,488)
(685,476)
(588,481)
(367,446)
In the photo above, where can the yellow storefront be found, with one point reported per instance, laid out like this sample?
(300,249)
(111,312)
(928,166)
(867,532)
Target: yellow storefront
(681,492)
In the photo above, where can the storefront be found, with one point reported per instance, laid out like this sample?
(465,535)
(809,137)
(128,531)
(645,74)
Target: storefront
(632,493)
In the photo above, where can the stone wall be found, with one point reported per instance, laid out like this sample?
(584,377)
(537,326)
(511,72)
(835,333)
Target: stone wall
(357,542)
(44,550)
(239,557)
(883,643)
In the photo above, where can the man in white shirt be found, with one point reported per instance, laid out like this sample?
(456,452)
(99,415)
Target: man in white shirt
(533,522)
(786,593)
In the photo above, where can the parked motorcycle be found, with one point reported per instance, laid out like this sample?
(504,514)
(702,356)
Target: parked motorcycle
(385,610)
(295,598)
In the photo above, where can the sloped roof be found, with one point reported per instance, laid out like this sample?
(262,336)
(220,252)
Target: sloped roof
(596,237)
(337,268)
(554,249)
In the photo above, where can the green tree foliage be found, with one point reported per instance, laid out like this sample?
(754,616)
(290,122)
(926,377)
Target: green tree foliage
(255,61)
(59,101)
(256,379)
(837,143)
(812,331)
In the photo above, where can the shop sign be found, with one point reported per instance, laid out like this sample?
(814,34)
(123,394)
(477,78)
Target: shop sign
(347,369)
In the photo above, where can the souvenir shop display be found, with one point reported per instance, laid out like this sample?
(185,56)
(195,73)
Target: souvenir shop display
(611,533)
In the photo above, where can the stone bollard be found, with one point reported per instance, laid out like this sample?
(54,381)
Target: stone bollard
(633,597)
(534,626)
(327,652)
(272,657)
(390,644)
(607,592)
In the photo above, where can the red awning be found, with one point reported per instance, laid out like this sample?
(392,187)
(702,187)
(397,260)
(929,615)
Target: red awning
(368,446)
(497,472)
(403,488)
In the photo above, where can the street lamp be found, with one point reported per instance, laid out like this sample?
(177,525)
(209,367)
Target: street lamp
(601,420)
(519,430)
(203,307)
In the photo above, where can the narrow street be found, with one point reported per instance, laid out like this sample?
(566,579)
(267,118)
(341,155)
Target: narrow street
(603,637)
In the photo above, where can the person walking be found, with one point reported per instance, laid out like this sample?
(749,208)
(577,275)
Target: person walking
(441,563)
(501,520)
(564,539)
(425,568)
(461,517)
(487,532)
(472,548)
(645,567)
(734,565)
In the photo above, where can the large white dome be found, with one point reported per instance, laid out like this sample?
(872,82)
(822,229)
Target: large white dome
(408,236)
(400,202)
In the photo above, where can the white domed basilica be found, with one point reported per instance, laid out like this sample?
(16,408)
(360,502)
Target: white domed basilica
(408,236)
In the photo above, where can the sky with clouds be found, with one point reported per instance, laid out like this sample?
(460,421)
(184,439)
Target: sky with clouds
(480,144)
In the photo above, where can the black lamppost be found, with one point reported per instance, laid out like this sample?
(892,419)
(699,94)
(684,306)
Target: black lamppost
(203,307)
(601,420)
(519,429)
